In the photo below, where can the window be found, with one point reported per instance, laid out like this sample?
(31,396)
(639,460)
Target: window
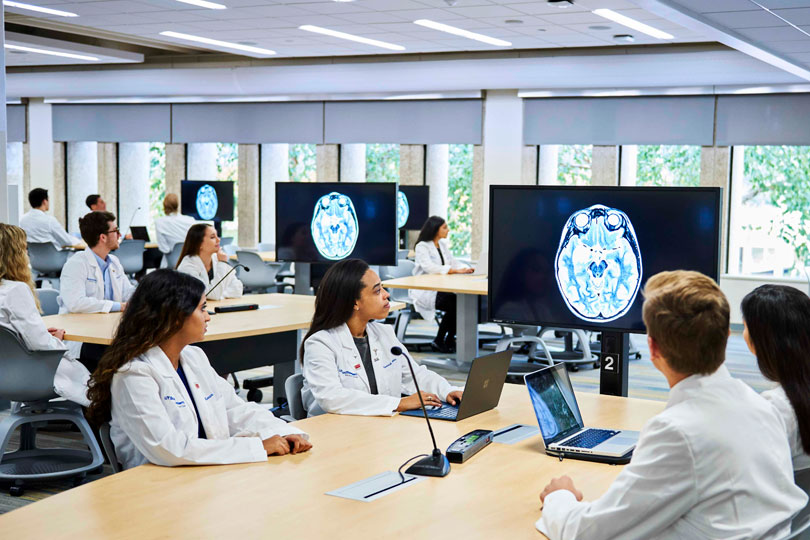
(157,183)
(769,230)
(382,163)
(228,169)
(567,164)
(303,163)
(660,165)
(459,211)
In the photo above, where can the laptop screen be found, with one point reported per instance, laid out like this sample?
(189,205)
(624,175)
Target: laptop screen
(139,233)
(554,403)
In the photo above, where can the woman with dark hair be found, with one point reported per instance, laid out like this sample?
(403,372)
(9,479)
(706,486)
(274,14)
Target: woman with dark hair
(348,365)
(203,258)
(777,330)
(433,256)
(165,403)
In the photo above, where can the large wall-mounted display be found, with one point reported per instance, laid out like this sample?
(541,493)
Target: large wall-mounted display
(413,203)
(207,200)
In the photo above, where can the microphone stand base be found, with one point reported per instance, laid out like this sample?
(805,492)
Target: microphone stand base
(434,465)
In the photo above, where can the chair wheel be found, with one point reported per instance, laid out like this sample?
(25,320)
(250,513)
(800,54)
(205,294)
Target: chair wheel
(597,364)
(16,491)
(572,367)
(254,395)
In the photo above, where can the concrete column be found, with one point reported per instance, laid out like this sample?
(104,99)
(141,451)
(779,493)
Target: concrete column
(548,166)
(411,164)
(605,166)
(134,185)
(82,177)
(108,175)
(628,168)
(326,157)
(14,174)
(202,161)
(715,169)
(41,156)
(528,166)
(59,178)
(248,205)
(353,162)
(478,240)
(175,167)
(275,168)
(437,172)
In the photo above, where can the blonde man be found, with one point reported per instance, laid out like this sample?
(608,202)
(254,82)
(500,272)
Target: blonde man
(172,228)
(714,464)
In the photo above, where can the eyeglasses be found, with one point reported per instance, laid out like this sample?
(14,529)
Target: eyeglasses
(115,231)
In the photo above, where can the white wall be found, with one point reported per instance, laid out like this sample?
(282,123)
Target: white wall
(82,178)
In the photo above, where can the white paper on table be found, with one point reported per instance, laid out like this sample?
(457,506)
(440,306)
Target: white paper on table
(375,487)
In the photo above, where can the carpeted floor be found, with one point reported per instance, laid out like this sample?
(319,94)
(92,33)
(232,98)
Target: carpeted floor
(645,382)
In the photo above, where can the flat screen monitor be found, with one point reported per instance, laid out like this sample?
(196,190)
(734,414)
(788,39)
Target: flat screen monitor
(578,257)
(207,200)
(413,203)
(327,222)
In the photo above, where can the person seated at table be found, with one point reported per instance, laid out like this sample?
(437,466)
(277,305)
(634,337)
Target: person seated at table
(95,203)
(777,331)
(39,226)
(433,256)
(348,365)
(165,403)
(714,464)
(173,227)
(203,258)
(20,313)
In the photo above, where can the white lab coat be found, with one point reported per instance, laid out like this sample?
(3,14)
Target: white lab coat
(18,313)
(335,379)
(40,227)
(172,229)
(428,261)
(153,420)
(231,287)
(779,399)
(714,464)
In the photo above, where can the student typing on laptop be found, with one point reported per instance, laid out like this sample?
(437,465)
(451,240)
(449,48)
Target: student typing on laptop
(714,464)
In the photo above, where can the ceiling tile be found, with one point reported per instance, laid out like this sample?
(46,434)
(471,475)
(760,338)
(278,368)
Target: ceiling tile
(798,46)
(777,4)
(745,19)
(373,17)
(772,34)
(798,16)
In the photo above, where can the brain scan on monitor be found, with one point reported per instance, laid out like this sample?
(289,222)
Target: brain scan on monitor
(403,209)
(334,226)
(207,202)
(598,264)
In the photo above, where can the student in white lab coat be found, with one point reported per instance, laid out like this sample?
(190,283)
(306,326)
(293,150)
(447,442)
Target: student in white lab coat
(714,464)
(172,228)
(203,258)
(20,313)
(39,226)
(165,403)
(348,365)
(433,256)
(777,330)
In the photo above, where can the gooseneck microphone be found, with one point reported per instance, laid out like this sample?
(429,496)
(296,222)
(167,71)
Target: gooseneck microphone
(132,219)
(237,265)
(436,464)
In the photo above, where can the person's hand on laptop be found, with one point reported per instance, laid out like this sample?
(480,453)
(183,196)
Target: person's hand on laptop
(453,398)
(412,402)
(556,484)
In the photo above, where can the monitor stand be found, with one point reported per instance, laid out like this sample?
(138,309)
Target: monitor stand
(302,278)
(218,227)
(614,361)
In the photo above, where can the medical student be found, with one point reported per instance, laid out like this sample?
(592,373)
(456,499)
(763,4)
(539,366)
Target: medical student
(714,464)
(93,281)
(20,313)
(39,226)
(203,258)
(173,227)
(95,203)
(777,330)
(433,257)
(165,403)
(348,365)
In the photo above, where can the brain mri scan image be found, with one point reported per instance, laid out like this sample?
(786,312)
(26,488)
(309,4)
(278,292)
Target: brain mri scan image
(334,226)
(403,210)
(207,203)
(598,264)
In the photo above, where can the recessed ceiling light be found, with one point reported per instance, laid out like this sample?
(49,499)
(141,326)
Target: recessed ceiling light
(599,27)
(40,9)
(624,38)
(562,4)
(247,43)
(204,3)
(513,21)
(351,37)
(51,53)
(463,33)
(218,43)
(632,23)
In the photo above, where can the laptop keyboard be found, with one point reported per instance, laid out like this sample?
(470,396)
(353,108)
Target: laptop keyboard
(447,411)
(589,438)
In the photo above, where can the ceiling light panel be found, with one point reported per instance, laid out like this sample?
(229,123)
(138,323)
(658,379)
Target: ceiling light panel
(204,3)
(351,37)
(252,51)
(632,23)
(39,9)
(51,53)
(441,27)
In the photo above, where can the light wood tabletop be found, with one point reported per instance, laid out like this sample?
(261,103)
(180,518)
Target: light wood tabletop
(493,495)
(451,283)
(267,256)
(81,246)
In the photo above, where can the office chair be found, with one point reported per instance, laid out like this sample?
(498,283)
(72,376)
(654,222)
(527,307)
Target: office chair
(225,241)
(262,275)
(173,255)
(130,254)
(292,387)
(47,261)
(517,370)
(27,377)
(109,447)
(266,246)
(48,301)
(800,528)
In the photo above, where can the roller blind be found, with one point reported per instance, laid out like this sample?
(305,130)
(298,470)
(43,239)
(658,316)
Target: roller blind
(15,118)
(614,121)
(405,122)
(248,123)
(112,123)
(768,119)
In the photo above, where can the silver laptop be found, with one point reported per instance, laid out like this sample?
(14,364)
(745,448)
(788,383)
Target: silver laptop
(561,426)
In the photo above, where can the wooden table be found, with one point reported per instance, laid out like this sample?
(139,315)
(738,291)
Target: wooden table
(267,256)
(81,246)
(467,289)
(494,495)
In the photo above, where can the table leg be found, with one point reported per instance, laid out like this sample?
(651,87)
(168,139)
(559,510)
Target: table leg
(466,328)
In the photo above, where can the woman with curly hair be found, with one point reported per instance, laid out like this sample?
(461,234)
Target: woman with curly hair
(165,403)
(20,313)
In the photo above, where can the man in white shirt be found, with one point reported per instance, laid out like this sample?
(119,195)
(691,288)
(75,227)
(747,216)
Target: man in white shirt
(95,203)
(39,226)
(714,464)
(172,228)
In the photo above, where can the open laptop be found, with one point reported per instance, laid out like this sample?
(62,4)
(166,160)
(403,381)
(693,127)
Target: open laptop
(139,233)
(564,434)
(481,393)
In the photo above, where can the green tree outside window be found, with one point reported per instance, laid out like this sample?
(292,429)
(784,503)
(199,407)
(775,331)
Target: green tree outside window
(303,163)
(157,183)
(382,163)
(668,165)
(574,164)
(459,194)
(228,169)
